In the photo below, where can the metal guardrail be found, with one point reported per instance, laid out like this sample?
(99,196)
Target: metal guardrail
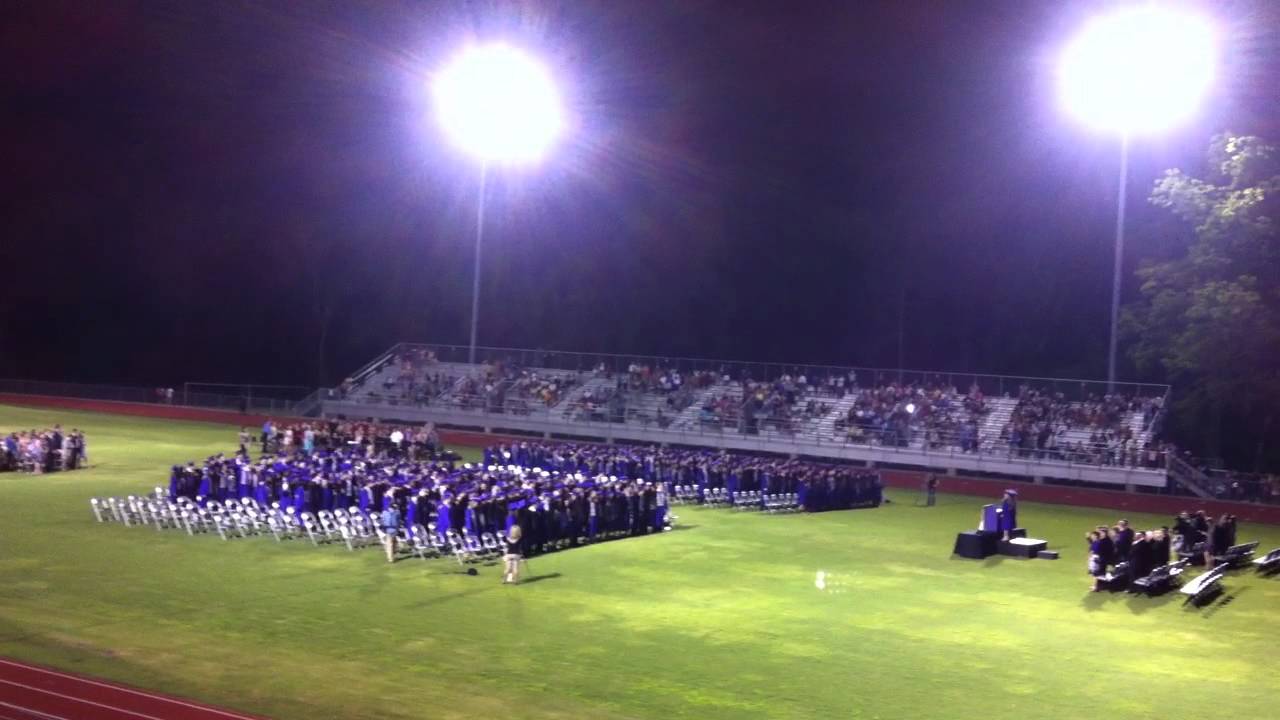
(116,393)
(989,384)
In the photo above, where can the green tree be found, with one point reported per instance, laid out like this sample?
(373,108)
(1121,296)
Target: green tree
(1208,320)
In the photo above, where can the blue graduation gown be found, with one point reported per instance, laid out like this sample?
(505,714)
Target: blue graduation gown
(1008,515)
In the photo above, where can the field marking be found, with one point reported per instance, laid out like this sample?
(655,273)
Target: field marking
(80,700)
(122,688)
(29,712)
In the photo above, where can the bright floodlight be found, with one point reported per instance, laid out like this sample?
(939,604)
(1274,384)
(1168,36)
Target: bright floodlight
(498,104)
(1139,70)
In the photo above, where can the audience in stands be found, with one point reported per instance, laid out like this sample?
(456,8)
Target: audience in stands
(42,451)
(1044,424)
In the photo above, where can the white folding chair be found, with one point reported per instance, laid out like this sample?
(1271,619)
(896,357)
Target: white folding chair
(313,531)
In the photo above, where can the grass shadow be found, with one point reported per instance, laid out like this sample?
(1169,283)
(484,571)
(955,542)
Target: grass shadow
(1094,601)
(442,599)
(540,578)
(1222,600)
(1140,603)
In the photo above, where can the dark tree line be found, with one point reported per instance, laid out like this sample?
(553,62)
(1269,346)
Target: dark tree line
(1208,318)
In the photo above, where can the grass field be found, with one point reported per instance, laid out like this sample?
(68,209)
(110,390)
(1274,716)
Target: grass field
(720,619)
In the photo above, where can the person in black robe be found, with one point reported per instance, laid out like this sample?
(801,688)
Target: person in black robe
(1106,546)
(1160,547)
(1124,539)
(1140,557)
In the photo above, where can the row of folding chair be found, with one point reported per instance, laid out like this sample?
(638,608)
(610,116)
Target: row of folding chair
(717,497)
(742,500)
(426,542)
(780,502)
(684,494)
(245,517)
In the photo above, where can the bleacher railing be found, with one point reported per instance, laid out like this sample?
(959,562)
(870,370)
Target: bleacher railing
(991,385)
(263,399)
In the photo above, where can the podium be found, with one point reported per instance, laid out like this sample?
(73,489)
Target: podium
(988,540)
(990,519)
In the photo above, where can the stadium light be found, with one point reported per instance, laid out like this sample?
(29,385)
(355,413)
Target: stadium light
(499,105)
(1139,70)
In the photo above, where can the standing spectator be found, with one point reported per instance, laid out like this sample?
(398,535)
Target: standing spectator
(931,489)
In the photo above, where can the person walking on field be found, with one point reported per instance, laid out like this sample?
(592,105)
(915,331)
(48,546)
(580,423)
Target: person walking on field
(512,556)
(391,526)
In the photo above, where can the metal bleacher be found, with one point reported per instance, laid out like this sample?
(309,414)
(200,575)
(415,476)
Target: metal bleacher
(604,398)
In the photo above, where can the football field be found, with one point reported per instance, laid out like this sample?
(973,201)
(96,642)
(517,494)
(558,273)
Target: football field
(724,617)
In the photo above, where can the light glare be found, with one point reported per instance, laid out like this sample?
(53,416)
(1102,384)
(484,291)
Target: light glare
(498,104)
(1140,70)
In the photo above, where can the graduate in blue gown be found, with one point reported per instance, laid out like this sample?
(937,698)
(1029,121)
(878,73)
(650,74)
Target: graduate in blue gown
(1009,513)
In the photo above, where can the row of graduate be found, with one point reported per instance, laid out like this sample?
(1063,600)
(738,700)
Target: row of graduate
(818,486)
(552,508)
(1137,552)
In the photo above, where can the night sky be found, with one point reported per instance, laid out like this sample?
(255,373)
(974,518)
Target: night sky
(258,192)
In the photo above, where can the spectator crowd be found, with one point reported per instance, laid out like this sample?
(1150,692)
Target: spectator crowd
(1061,422)
(43,451)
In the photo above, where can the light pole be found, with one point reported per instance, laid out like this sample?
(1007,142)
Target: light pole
(1139,70)
(500,106)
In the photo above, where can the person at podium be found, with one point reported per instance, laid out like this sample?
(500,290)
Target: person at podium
(1008,513)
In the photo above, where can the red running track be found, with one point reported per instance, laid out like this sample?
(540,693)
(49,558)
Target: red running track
(28,692)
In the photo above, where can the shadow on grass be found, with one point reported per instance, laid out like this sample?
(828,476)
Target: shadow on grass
(484,585)
(940,502)
(540,578)
(1139,604)
(991,561)
(1223,599)
(1095,601)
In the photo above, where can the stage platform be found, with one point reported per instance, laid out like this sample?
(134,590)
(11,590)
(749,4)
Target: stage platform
(977,545)
(1023,547)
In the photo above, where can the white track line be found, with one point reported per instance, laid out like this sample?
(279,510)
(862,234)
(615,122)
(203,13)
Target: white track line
(122,688)
(80,700)
(29,711)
